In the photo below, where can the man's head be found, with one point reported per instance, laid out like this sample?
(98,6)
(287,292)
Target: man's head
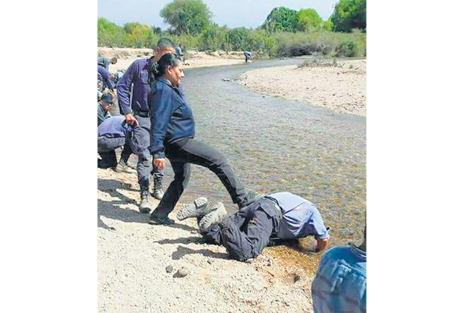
(107,101)
(113,60)
(164,46)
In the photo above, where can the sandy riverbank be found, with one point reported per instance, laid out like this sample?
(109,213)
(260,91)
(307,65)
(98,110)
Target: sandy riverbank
(340,89)
(194,59)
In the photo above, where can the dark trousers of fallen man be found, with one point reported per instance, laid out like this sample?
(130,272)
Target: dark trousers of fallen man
(246,233)
(106,150)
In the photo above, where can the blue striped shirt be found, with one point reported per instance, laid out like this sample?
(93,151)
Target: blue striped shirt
(300,218)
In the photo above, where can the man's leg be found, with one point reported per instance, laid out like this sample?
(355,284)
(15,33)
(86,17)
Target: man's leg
(106,151)
(140,141)
(246,237)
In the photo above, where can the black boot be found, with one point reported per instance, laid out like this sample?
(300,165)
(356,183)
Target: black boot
(145,205)
(157,188)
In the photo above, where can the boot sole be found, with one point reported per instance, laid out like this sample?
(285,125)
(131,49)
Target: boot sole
(218,211)
(198,207)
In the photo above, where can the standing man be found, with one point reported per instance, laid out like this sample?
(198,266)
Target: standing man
(137,114)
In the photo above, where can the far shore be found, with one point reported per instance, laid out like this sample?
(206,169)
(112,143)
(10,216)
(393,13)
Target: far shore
(340,88)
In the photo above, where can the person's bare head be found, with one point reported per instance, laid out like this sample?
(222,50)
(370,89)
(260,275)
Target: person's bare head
(113,60)
(164,46)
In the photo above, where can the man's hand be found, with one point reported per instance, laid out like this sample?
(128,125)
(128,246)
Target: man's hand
(159,163)
(321,244)
(131,120)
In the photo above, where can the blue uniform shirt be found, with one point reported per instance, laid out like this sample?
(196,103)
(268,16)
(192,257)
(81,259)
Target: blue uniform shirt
(112,127)
(105,74)
(171,117)
(340,284)
(138,75)
(300,218)
(104,61)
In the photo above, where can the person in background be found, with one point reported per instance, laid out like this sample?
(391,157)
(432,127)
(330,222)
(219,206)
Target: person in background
(340,284)
(105,104)
(246,233)
(247,55)
(105,77)
(179,52)
(134,85)
(105,62)
(110,135)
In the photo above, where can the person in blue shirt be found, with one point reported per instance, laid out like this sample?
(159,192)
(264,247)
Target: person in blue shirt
(134,84)
(172,136)
(246,233)
(340,284)
(247,55)
(105,62)
(106,77)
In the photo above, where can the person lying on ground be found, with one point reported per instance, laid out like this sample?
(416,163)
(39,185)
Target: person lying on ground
(246,233)
(172,136)
(340,284)
(112,135)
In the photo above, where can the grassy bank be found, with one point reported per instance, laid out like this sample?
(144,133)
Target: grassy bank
(319,42)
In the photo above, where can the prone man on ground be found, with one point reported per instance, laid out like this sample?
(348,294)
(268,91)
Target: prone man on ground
(246,233)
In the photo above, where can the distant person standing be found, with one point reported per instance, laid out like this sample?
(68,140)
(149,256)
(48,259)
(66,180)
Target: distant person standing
(341,283)
(179,52)
(105,62)
(136,81)
(247,55)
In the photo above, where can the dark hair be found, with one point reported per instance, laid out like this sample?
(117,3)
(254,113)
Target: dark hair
(165,43)
(169,59)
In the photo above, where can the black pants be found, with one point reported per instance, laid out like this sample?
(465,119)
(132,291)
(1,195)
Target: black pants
(106,150)
(181,155)
(246,233)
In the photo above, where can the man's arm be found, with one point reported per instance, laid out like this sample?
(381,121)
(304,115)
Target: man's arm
(124,87)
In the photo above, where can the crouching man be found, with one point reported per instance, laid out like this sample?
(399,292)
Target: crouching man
(246,233)
(112,135)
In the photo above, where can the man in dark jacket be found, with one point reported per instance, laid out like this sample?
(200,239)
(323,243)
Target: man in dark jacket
(246,233)
(137,113)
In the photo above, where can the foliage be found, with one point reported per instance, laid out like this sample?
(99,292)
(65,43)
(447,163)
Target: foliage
(349,14)
(187,16)
(281,19)
(308,20)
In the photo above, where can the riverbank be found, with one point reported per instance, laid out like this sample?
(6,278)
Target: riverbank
(339,88)
(193,59)
(134,259)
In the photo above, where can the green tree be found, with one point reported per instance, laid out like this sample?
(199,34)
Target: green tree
(110,34)
(349,14)
(281,19)
(308,20)
(187,16)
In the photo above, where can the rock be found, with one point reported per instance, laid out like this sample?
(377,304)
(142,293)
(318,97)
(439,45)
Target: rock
(169,269)
(296,278)
(210,261)
(182,272)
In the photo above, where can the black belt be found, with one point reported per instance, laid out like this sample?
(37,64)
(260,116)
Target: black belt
(142,113)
